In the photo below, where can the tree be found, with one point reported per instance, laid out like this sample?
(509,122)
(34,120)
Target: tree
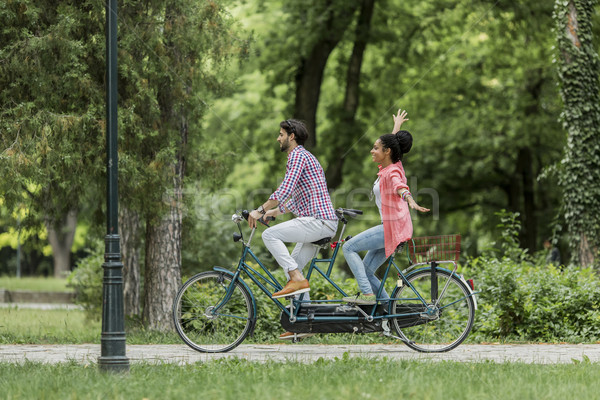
(580,177)
(172,61)
(311,31)
(480,90)
(348,127)
(49,114)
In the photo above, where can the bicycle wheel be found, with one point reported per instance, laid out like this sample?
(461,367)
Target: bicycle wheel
(201,325)
(433,328)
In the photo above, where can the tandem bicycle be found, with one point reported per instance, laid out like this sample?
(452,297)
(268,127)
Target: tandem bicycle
(431,308)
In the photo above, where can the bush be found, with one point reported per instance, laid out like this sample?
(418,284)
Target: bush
(86,280)
(524,301)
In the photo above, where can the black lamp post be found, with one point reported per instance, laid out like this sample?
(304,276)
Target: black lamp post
(112,341)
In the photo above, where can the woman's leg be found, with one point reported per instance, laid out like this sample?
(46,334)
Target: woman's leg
(372,262)
(370,239)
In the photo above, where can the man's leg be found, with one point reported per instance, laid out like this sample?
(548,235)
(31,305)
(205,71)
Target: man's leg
(299,230)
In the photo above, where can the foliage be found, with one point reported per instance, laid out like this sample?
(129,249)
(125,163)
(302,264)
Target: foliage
(578,68)
(87,282)
(523,297)
(542,303)
(480,88)
(509,240)
(173,62)
(50,106)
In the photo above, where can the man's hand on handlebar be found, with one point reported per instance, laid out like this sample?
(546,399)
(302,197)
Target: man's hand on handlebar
(271,214)
(253,217)
(264,218)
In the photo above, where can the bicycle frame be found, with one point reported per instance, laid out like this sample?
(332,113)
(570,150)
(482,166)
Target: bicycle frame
(292,312)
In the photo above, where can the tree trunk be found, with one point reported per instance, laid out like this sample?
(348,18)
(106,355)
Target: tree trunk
(130,230)
(163,233)
(524,165)
(308,87)
(60,235)
(162,276)
(351,99)
(310,72)
(578,70)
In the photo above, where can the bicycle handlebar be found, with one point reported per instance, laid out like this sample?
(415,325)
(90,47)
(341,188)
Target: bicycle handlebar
(351,212)
(236,218)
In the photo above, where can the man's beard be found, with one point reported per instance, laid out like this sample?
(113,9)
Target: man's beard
(285,145)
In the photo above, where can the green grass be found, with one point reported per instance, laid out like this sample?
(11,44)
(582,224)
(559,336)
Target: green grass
(22,325)
(34,284)
(61,326)
(346,378)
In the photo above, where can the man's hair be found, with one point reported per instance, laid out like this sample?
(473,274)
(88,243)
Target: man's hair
(297,128)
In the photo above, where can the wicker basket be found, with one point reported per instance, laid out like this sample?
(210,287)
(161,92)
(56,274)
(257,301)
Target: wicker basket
(434,248)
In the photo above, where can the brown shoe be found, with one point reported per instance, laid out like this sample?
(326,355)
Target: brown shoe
(292,335)
(292,288)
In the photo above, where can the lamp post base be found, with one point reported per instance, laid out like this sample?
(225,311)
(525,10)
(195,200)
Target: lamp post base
(113,364)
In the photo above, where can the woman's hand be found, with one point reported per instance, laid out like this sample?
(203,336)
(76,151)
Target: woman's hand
(399,119)
(413,204)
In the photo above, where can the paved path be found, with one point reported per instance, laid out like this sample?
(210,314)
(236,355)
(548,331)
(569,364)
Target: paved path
(181,354)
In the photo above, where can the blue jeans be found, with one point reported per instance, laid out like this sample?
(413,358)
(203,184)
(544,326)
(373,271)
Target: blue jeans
(364,270)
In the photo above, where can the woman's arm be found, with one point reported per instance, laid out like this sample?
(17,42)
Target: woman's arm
(407,196)
(399,119)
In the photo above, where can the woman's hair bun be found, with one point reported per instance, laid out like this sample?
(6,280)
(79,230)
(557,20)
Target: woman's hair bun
(405,140)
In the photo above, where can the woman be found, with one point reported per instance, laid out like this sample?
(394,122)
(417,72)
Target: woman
(393,198)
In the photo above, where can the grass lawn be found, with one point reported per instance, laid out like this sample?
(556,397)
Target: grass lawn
(346,378)
(34,284)
(23,325)
(61,326)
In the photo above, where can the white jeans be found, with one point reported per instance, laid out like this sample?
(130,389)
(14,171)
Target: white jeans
(303,231)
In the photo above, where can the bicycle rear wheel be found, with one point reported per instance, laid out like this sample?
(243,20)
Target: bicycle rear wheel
(201,325)
(433,328)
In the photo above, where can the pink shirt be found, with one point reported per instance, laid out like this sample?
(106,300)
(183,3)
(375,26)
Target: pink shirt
(397,225)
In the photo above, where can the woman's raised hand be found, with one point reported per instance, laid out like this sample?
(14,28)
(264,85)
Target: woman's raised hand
(399,119)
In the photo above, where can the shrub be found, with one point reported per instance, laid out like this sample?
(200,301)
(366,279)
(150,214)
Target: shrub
(520,300)
(86,280)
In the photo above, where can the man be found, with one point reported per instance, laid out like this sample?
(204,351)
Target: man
(553,256)
(304,193)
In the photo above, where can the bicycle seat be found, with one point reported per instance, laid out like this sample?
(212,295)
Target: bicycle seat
(322,242)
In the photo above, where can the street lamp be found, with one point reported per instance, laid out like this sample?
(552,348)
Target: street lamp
(112,341)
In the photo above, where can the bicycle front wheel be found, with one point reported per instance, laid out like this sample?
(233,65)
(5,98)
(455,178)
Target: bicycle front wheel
(443,321)
(204,321)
